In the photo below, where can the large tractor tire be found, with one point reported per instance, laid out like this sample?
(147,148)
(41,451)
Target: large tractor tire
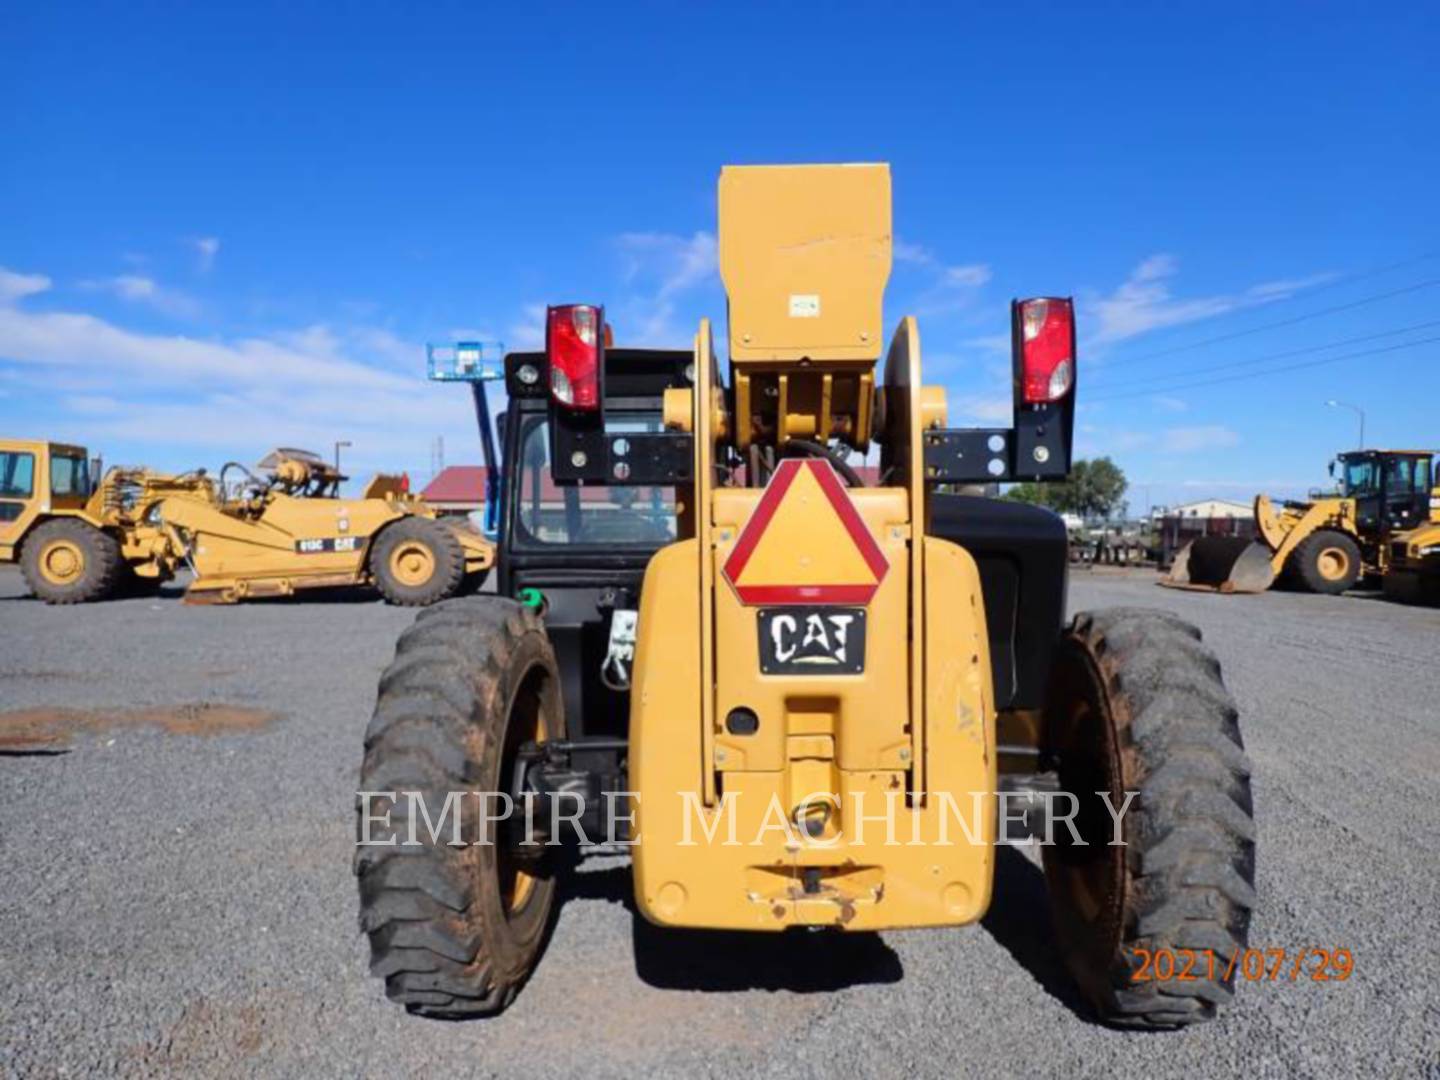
(417,562)
(1327,561)
(69,561)
(455,930)
(1137,705)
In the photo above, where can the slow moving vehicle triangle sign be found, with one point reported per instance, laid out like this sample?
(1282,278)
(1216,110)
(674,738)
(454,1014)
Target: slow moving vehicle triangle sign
(805,542)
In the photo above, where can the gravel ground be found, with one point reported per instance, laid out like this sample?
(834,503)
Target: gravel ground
(176,901)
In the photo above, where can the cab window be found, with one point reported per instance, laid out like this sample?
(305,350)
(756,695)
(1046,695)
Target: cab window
(1416,476)
(17,475)
(551,513)
(69,476)
(1361,477)
(1404,476)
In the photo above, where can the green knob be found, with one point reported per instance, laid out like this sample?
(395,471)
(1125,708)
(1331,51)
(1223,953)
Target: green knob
(532,598)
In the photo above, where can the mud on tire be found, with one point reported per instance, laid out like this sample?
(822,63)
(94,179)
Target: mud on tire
(69,561)
(417,561)
(455,930)
(1137,704)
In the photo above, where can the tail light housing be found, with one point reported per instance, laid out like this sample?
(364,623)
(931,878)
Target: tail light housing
(574,345)
(1045,341)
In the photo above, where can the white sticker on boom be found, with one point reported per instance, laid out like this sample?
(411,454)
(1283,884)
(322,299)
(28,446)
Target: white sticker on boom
(804,306)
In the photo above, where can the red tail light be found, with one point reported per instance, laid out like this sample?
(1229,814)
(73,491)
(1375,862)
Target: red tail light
(573,337)
(1047,342)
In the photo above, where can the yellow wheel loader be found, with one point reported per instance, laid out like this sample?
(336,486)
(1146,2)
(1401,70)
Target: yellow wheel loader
(1327,544)
(1413,573)
(804,702)
(270,532)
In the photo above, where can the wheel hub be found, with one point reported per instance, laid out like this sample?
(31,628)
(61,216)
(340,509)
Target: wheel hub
(62,562)
(527,726)
(1334,564)
(412,563)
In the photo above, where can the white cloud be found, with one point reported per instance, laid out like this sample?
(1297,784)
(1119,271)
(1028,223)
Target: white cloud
(528,331)
(103,383)
(93,404)
(15,286)
(967,277)
(673,262)
(1144,301)
(1156,266)
(389,347)
(139,289)
(85,343)
(658,269)
(1170,404)
(905,252)
(206,248)
(1275,290)
(950,288)
(180,402)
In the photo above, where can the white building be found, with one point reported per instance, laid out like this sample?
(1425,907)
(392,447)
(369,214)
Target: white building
(1209,508)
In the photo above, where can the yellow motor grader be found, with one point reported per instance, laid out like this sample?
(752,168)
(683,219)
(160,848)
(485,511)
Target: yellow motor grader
(1328,543)
(268,532)
(804,701)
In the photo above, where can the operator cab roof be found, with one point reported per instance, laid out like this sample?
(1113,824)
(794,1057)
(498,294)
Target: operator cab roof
(1390,453)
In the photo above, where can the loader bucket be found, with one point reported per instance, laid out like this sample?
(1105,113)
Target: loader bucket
(1222,564)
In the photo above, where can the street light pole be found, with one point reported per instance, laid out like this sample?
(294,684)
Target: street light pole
(1357,410)
(340,443)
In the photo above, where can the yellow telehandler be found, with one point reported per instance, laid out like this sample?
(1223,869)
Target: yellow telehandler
(804,701)
(269,532)
(1328,543)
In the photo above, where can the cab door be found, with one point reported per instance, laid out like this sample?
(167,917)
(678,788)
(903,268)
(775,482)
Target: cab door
(1363,483)
(1406,492)
(18,502)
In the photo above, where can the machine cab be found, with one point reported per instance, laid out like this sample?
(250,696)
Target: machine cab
(1391,488)
(37,478)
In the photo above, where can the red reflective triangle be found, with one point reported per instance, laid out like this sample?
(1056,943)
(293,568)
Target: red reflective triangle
(749,539)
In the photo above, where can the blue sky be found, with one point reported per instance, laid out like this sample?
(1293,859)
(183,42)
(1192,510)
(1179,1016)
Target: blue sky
(230,227)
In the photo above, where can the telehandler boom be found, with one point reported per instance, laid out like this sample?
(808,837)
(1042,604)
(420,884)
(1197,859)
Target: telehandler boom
(798,698)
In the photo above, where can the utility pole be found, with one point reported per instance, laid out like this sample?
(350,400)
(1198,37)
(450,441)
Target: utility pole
(1357,410)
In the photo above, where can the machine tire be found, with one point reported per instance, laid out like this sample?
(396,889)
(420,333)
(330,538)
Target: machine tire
(455,931)
(1137,704)
(417,561)
(94,556)
(1326,561)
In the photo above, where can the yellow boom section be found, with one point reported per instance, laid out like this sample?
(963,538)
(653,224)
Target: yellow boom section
(812,723)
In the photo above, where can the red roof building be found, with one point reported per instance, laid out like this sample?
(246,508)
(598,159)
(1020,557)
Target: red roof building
(457,489)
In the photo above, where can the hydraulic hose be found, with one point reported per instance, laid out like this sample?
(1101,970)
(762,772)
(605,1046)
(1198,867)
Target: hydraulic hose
(809,448)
